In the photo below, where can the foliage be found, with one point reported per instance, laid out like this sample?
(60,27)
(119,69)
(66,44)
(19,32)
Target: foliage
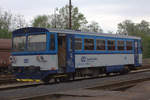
(9,22)
(5,21)
(141,29)
(41,21)
(126,27)
(60,20)
(94,27)
(18,21)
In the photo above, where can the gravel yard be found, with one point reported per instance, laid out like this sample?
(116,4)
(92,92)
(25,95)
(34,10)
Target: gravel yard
(139,92)
(78,87)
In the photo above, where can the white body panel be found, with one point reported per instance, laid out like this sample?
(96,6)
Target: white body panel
(140,58)
(51,61)
(91,60)
(81,61)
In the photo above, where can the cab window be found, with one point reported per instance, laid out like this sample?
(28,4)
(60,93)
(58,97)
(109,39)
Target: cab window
(19,43)
(37,42)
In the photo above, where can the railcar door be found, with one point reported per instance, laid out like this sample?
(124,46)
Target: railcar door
(70,54)
(62,46)
(136,55)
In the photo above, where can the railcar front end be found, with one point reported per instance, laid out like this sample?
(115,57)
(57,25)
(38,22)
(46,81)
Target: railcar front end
(34,54)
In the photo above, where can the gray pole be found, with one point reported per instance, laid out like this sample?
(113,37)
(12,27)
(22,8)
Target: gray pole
(70,7)
(55,17)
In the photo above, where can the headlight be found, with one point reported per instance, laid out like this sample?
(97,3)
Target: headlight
(40,58)
(12,59)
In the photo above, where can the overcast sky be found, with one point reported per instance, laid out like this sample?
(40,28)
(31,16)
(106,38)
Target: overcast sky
(108,13)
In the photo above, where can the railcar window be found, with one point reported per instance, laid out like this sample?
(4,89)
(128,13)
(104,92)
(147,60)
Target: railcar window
(19,43)
(37,42)
(120,45)
(88,44)
(129,45)
(78,44)
(52,42)
(100,44)
(111,45)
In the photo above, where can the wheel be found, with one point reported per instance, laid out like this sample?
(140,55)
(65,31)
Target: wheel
(107,74)
(125,71)
(56,80)
(46,80)
(71,76)
(61,79)
(95,73)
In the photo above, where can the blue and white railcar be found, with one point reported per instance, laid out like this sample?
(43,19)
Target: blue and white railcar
(42,54)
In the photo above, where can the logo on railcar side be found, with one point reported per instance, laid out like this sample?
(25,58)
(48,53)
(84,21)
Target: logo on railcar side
(26,60)
(88,59)
(83,59)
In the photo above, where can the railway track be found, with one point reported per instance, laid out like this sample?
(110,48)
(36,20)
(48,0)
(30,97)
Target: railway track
(112,83)
(7,79)
(5,84)
(109,83)
(119,86)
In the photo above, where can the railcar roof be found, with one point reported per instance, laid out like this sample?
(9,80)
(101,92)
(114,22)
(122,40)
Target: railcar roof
(92,33)
(36,29)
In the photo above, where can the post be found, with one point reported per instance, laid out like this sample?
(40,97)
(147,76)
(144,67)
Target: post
(55,17)
(70,8)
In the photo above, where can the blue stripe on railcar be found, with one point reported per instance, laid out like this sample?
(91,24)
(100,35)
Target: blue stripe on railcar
(114,69)
(22,74)
(139,47)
